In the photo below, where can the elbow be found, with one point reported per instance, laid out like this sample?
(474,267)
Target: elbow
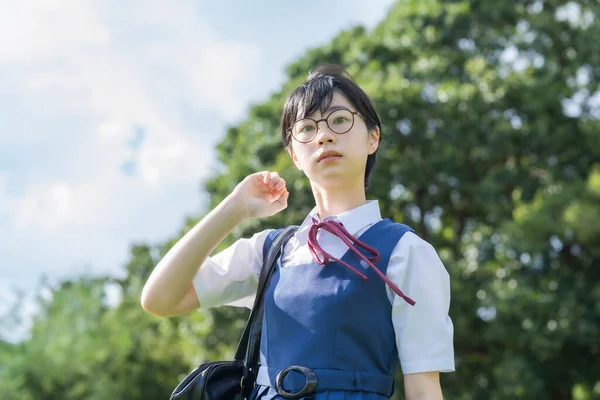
(149,304)
(167,303)
(151,309)
(146,303)
(156,306)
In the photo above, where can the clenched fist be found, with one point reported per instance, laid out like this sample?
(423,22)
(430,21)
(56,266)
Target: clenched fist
(263,194)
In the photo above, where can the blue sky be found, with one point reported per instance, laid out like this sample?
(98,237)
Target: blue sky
(110,112)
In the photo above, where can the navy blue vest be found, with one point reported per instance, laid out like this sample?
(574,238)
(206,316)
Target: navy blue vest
(327,318)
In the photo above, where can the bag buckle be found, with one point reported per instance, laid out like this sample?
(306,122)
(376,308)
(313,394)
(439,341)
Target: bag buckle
(309,386)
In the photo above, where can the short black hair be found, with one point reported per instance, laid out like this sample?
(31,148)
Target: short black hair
(316,93)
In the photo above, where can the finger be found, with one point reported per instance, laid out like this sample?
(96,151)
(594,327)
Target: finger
(282,199)
(274,195)
(266,177)
(280,184)
(274,179)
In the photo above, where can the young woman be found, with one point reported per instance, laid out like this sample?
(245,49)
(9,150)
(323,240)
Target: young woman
(354,296)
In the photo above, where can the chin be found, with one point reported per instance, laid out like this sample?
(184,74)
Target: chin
(332,180)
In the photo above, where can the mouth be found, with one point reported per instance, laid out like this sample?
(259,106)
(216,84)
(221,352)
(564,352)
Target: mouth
(329,155)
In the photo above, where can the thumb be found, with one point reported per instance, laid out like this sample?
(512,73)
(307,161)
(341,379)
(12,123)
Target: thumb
(282,200)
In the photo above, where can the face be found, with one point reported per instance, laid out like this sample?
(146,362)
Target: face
(349,150)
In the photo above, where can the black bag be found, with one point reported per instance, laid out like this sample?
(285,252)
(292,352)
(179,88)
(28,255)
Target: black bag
(234,380)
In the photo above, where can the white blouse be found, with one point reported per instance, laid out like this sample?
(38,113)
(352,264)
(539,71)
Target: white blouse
(424,332)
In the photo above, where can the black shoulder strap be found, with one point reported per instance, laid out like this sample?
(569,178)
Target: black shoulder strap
(254,324)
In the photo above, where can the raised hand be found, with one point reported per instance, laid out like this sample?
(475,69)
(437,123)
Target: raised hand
(263,194)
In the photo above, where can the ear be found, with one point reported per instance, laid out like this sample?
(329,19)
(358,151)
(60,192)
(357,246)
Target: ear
(293,157)
(374,135)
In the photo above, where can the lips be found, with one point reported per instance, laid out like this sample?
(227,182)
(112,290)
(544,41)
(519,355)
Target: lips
(329,153)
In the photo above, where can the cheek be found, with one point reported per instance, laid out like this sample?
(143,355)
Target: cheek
(303,154)
(359,143)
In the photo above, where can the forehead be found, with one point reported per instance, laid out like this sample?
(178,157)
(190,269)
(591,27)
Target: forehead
(337,100)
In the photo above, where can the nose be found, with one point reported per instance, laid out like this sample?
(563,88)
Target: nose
(324,135)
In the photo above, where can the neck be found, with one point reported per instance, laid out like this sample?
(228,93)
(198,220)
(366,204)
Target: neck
(334,200)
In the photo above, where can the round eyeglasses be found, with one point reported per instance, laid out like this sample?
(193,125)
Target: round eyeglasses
(338,121)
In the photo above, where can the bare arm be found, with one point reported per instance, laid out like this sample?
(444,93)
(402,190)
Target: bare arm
(423,386)
(168,291)
(171,278)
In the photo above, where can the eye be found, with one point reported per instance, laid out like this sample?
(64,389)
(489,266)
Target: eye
(306,128)
(340,119)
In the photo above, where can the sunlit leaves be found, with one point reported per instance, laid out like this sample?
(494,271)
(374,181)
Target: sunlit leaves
(491,151)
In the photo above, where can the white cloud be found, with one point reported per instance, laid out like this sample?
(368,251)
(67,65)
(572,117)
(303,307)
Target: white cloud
(88,74)
(46,206)
(46,30)
(74,58)
(103,74)
(134,67)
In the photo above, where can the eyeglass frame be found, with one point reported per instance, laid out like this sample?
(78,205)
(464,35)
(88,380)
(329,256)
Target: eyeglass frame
(290,131)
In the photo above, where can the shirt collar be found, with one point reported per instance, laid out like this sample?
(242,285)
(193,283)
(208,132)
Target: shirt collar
(354,220)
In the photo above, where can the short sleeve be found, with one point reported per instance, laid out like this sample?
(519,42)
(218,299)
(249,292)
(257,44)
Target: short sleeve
(424,332)
(231,276)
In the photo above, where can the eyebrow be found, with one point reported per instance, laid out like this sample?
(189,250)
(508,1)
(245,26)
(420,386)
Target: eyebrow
(335,108)
(331,109)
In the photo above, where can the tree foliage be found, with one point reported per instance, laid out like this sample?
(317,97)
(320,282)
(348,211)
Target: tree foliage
(491,151)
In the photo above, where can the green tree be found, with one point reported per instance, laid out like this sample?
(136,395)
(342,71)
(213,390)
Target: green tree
(91,340)
(488,130)
(490,151)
